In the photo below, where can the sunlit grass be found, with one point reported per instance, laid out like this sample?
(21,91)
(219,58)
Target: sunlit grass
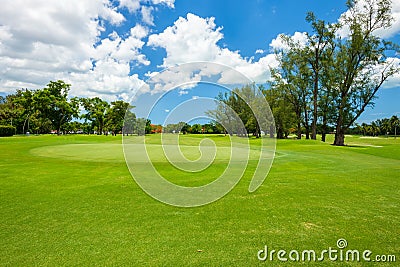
(70,200)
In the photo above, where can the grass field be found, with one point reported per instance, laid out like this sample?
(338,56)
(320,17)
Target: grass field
(70,200)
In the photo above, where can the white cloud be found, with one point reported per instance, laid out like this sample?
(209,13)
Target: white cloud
(260,51)
(123,50)
(169,3)
(195,39)
(131,5)
(44,40)
(189,39)
(183,92)
(147,15)
(279,44)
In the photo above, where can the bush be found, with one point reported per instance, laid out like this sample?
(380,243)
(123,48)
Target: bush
(7,130)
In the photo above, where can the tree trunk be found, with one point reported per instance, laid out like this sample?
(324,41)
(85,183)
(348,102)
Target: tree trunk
(271,131)
(324,128)
(339,135)
(339,139)
(306,125)
(323,137)
(258,132)
(23,127)
(315,99)
(280,133)
(299,130)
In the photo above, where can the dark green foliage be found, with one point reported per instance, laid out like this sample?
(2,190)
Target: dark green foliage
(7,130)
(115,116)
(52,103)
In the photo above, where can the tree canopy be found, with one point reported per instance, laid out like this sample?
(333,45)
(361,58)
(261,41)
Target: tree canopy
(335,75)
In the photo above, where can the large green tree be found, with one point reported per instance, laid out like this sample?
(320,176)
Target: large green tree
(95,112)
(242,111)
(284,116)
(292,81)
(52,103)
(115,116)
(360,61)
(347,62)
(24,99)
(317,52)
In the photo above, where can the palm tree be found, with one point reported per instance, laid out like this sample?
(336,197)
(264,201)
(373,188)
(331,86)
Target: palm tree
(394,121)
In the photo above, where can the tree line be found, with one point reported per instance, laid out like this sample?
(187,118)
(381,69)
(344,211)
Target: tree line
(197,128)
(385,126)
(50,109)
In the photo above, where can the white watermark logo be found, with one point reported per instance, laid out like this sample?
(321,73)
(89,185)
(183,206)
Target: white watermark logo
(339,253)
(166,91)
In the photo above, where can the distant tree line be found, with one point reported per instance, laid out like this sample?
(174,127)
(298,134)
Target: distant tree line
(49,109)
(197,128)
(386,126)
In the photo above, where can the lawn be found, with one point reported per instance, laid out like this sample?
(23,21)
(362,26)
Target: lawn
(70,200)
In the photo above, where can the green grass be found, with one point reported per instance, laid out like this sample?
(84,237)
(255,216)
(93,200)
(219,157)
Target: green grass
(70,200)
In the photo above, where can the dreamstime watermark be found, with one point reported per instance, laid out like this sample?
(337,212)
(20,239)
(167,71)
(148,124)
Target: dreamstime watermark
(339,253)
(168,92)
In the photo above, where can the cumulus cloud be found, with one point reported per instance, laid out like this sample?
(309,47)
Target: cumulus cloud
(147,15)
(169,3)
(189,39)
(131,5)
(279,44)
(48,40)
(196,39)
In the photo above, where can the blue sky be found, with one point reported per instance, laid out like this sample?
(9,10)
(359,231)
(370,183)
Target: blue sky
(110,48)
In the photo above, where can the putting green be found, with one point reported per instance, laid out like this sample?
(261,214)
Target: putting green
(82,152)
(114,152)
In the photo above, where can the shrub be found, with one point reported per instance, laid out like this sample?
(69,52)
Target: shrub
(7,130)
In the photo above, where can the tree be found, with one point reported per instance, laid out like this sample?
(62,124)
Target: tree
(282,111)
(196,129)
(361,62)
(224,114)
(141,126)
(10,113)
(24,99)
(115,116)
(316,55)
(96,110)
(292,78)
(52,103)
(242,111)
(129,122)
(395,123)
